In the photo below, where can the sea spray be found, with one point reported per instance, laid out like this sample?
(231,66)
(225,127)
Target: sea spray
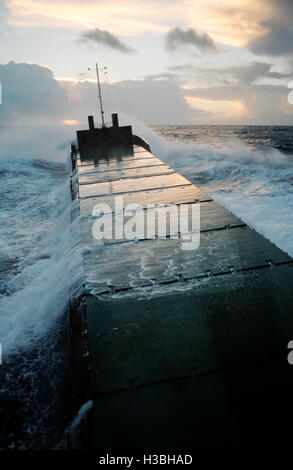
(41,270)
(254,182)
(78,421)
(47,142)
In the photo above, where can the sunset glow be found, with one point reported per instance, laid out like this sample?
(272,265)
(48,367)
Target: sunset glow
(239,51)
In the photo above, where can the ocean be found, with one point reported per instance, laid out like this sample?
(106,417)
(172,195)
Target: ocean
(247,169)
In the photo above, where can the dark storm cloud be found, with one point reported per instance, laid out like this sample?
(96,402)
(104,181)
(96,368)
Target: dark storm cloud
(181,37)
(29,91)
(254,71)
(104,37)
(278,38)
(278,41)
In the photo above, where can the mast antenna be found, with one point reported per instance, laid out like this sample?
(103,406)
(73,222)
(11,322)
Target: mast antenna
(100,95)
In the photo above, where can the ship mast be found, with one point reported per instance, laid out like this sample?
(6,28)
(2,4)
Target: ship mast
(100,95)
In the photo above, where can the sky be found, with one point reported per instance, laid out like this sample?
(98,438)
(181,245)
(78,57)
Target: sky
(168,61)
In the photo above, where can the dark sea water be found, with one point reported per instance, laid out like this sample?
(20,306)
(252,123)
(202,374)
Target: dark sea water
(247,169)
(260,138)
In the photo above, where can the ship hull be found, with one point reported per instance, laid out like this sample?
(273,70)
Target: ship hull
(187,349)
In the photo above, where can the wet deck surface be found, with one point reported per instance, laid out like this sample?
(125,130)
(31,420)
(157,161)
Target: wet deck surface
(188,348)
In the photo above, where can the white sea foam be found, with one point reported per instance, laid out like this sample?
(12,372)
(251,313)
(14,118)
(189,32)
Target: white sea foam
(256,186)
(37,240)
(47,141)
(40,270)
(78,420)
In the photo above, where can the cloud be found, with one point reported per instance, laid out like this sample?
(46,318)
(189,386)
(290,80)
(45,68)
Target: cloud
(277,41)
(181,37)
(163,76)
(30,91)
(243,74)
(125,18)
(277,38)
(32,94)
(100,36)
(254,71)
(262,104)
(151,101)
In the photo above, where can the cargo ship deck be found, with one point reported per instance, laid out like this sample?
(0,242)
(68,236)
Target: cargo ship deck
(187,349)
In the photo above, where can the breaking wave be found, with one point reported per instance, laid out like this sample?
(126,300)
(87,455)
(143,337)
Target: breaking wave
(254,182)
(40,270)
